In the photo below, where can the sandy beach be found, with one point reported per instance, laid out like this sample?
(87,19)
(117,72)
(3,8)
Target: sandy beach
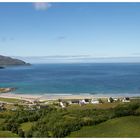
(19,96)
(45,97)
(53,96)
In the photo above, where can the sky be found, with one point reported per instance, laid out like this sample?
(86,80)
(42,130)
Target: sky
(70,29)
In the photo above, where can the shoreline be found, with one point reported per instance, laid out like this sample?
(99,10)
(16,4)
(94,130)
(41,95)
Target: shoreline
(48,96)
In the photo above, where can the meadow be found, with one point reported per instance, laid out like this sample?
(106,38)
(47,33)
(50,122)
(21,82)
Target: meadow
(103,120)
(123,127)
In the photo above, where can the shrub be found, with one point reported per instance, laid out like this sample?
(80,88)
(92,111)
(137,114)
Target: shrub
(21,133)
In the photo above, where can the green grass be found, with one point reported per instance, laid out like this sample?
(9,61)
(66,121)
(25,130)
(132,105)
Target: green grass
(26,126)
(6,113)
(1,120)
(126,127)
(8,134)
(93,106)
(10,100)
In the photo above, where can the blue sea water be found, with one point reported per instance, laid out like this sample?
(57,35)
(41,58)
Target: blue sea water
(92,78)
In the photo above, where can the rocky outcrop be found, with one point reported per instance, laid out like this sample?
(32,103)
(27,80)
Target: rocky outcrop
(1,67)
(8,61)
(5,90)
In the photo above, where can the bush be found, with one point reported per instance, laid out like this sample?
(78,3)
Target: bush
(21,133)
(28,134)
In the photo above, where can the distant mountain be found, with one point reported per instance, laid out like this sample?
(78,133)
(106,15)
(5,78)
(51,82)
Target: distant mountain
(8,61)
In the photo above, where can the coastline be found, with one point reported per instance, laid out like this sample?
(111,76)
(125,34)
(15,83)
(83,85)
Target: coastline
(48,96)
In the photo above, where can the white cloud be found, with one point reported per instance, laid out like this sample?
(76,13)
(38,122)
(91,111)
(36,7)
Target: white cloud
(42,5)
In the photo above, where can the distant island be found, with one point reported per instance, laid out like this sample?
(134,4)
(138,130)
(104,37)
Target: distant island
(1,67)
(8,61)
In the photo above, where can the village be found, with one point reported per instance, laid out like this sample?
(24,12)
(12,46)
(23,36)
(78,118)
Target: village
(33,104)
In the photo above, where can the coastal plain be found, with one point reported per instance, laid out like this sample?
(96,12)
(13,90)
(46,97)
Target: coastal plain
(73,115)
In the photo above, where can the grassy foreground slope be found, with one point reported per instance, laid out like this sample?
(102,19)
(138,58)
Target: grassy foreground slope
(119,127)
(26,126)
(8,134)
(9,100)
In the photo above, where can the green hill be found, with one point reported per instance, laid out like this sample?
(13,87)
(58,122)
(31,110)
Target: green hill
(26,126)
(8,134)
(126,127)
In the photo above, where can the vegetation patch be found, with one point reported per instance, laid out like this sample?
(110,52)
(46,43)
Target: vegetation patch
(93,106)
(26,126)
(127,127)
(10,100)
(57,122)
(8,134)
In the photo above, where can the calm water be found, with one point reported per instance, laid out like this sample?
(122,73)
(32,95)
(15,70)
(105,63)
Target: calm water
(73,78)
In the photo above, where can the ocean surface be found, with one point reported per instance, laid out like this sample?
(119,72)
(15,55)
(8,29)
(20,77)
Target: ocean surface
(91,78)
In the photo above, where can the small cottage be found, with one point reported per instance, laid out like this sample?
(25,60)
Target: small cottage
(85,101)
(62,105)
(110,100)
(126,99)
(95,101)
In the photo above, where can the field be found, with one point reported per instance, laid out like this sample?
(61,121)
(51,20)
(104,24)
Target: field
(92,120)
(26,126)
(8,134)
(9,100)
(93,106)
(126,127)
(6,113)
(1,120)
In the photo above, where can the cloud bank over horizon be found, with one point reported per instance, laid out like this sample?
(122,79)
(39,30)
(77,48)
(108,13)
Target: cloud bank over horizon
(79,59)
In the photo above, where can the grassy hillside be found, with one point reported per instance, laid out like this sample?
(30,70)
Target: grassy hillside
(9,100)
(120,127)
(26,126)
(74,121)
(8,134)
(1,122)
(93,106)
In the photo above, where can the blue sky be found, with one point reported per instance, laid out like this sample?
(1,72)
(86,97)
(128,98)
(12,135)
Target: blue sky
(90,29)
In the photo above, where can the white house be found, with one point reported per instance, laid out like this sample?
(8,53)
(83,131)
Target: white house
(62,105)
(85,101)
(110,100)
(115,99)
(126,99)
(81,103)
(95,101)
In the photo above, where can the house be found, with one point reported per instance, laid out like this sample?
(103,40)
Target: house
(95,101)
(69,102)
(115,99)
(126,99)
(81,103)
(110,100)
(85,101)
(62,105)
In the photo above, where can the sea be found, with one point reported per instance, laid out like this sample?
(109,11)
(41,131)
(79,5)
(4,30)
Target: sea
(73,78)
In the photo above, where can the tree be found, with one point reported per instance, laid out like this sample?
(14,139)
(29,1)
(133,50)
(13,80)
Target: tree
(21,133)
(59,100)
(14,129)
(28,134)
(100,101)
(111,100)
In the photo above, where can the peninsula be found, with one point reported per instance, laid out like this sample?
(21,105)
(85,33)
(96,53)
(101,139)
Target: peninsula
(8,61)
